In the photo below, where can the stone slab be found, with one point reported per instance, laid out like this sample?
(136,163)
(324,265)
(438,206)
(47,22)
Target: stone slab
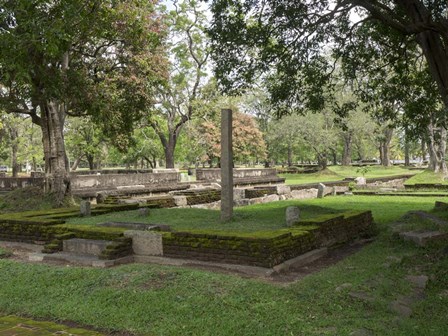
(423,238)
(241,269)
(87,247)
(76,259)
(146,243)
(300,261)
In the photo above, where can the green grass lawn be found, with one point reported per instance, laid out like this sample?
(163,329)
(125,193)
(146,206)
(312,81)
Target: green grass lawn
(337,173)
(270,215)
(162,300)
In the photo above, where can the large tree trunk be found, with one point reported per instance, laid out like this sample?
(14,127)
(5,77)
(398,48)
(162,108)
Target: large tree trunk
(385,146)
(56,163)
(322,160)
(347,152)
(91,161)
(407,156)
(14,150)
(437,149)
(169,154)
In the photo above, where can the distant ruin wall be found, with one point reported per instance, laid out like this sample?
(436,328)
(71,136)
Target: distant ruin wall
(98,181)
(11,183)
(213,174)
(118,180)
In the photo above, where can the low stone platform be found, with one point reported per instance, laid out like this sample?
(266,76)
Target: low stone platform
(252,271)
(81,260)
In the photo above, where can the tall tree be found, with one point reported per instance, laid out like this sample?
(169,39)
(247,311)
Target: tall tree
(189,54)
(73,57)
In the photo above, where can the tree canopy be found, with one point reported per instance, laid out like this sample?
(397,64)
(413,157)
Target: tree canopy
(293,45)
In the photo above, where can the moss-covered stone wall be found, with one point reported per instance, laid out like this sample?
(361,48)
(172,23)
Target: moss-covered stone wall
(267,249)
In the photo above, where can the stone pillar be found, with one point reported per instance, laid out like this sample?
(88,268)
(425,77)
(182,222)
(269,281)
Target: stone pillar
(85,209)
(226,166)
(320,190)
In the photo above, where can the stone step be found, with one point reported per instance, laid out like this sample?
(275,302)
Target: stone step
(85,247)
(300,261)
(78,259)
(423,238)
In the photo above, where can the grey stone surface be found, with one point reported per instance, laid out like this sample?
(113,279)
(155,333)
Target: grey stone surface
(283,189)
(270,198)
(146,243)
(226,166)
(333,191)
(360,180)
(85,246)
(242,202)
(238,194)
(320,190)
(301,260)
(134,226)
(180,201)
(401,309)
(76,259)
(423,238)
(292,215)
(418,281)
(135,186)
(85,209)
(304,194)
(360,295)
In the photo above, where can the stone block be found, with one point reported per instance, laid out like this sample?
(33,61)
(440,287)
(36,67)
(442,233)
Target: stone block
(180,201)
(360,180)
(270,198)
(292,215)
(304,194)
(238,194)
(242,202)
(320,190)
(146,243)
(85,209)
(283,189)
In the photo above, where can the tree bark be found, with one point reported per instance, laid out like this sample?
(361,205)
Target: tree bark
(322,160)
(437,149)
(347,152)
(56,163)
(169,154)
(14,150)
(385,146)
(76,163)
(407,156)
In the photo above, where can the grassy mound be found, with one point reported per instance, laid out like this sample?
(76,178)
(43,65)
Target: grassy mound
(427,177)
(26,199)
